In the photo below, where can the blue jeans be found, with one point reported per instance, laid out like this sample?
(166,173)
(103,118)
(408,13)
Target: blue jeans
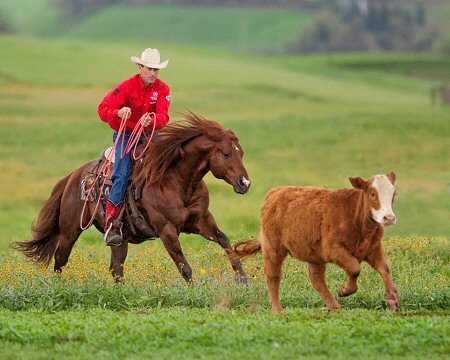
(122,170)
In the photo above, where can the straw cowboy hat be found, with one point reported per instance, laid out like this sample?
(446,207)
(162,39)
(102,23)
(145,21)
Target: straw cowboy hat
(151,59)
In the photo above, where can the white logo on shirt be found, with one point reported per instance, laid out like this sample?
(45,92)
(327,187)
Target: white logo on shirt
(154,97)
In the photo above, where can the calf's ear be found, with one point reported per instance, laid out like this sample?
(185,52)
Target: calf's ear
(358,183)
(392,177)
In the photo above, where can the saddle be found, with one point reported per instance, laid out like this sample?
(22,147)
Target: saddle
(134,222)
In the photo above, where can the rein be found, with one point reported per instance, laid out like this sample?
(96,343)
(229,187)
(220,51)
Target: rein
(132,145)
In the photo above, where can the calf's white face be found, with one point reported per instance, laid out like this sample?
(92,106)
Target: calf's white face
(380,192)
(385,191)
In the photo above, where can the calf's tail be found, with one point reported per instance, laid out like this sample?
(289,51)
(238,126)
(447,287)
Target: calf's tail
(247,248)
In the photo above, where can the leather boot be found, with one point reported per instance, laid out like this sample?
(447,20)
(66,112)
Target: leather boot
(113,226)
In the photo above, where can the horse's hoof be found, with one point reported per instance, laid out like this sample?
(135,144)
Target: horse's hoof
(119,279)
(242,280)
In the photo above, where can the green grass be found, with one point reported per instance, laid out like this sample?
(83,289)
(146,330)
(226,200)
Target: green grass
(183,333)
(300,120)
(81,314)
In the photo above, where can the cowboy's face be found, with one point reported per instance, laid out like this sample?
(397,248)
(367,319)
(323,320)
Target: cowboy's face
(149,75)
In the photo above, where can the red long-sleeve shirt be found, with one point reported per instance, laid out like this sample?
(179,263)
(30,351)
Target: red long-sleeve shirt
(140,98)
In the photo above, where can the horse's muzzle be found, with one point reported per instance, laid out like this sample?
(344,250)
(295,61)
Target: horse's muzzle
(242,185)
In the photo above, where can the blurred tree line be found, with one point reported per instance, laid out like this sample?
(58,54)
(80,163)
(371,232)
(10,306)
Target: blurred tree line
(5,26)
(361,25)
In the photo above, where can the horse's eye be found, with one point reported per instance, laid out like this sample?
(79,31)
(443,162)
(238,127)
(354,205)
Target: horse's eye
(227,156)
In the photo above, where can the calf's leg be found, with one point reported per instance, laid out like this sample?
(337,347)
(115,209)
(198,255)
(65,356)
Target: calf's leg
(377,260)
(317,276)
(352,267)
(273,262)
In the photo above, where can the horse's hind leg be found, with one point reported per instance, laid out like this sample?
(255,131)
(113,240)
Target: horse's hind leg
(65,245)
(207,227)
(118,256)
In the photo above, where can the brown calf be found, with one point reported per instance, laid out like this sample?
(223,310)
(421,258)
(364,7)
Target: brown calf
(319,226)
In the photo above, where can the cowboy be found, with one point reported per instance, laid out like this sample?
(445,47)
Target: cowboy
(133,101)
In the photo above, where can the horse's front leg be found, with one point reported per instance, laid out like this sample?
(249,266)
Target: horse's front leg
(118,256)
(169,237)
(206,226)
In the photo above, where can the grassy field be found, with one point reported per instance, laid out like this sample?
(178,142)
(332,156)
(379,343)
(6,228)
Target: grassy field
(81,314)
(185,333)
(239,29)
(300,121)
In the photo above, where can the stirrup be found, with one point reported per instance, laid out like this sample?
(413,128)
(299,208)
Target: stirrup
(112,237)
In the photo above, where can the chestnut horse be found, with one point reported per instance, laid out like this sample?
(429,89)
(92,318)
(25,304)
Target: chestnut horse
(174,197)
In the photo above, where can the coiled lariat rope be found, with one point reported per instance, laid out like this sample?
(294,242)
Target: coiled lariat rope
(132,145)
(136,135)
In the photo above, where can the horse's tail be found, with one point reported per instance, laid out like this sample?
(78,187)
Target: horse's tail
(45,242)
(247,248)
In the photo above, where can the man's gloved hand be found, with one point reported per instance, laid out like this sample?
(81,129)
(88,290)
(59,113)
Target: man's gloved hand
(124,113)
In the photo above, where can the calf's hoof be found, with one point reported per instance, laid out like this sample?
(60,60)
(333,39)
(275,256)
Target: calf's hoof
(394,304)
(334,307)
(277,309)
(346,291)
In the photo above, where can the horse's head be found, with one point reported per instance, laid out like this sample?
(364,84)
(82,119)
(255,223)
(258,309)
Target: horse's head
(225,158)
(198,143)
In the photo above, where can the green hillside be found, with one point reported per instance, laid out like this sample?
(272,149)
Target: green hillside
(233,28)
(238,29)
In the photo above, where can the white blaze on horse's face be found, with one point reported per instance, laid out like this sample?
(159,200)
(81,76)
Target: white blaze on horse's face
(386,190)
(246,181)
